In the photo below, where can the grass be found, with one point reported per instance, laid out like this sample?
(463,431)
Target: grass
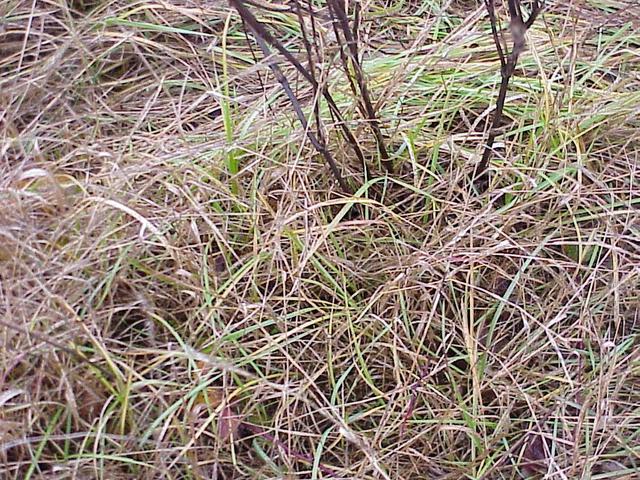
(186,293)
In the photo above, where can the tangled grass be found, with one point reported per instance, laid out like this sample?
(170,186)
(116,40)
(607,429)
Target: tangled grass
(186,293)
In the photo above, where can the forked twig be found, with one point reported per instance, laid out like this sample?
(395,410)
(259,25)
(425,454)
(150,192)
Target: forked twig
(261,34)
(264,38)
(319,145)
(337,9)
(518,27)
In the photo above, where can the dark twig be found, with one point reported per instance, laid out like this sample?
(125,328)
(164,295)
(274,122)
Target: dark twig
(314,28)
(518,27)
(261,32)
(336,7)
(312,66)
(343,53)
(305,38)
(255,59)
(350,79)
(318,145)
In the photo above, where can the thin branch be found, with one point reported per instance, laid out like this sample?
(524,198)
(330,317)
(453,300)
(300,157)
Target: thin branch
(491,9)
(337,8)
(352,85)
(319,146)
(260,31)
(535,11)
(343,55)
(305,38)
(312,67)
(261,34)
(518,28)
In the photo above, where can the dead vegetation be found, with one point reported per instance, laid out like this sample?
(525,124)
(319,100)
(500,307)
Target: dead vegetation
(186,292)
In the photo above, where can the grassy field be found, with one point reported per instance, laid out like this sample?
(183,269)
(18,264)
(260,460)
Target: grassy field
(186,292)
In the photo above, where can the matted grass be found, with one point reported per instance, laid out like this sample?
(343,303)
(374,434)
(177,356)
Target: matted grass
(185,293)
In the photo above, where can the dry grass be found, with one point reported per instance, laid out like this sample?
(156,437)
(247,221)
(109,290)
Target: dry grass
(186,294)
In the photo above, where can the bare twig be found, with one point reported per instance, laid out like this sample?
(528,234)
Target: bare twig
(320,146)
(518,27)
(312,64)
(261,32)
(337,9)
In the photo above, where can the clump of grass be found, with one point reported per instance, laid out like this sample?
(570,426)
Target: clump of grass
(184,296)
